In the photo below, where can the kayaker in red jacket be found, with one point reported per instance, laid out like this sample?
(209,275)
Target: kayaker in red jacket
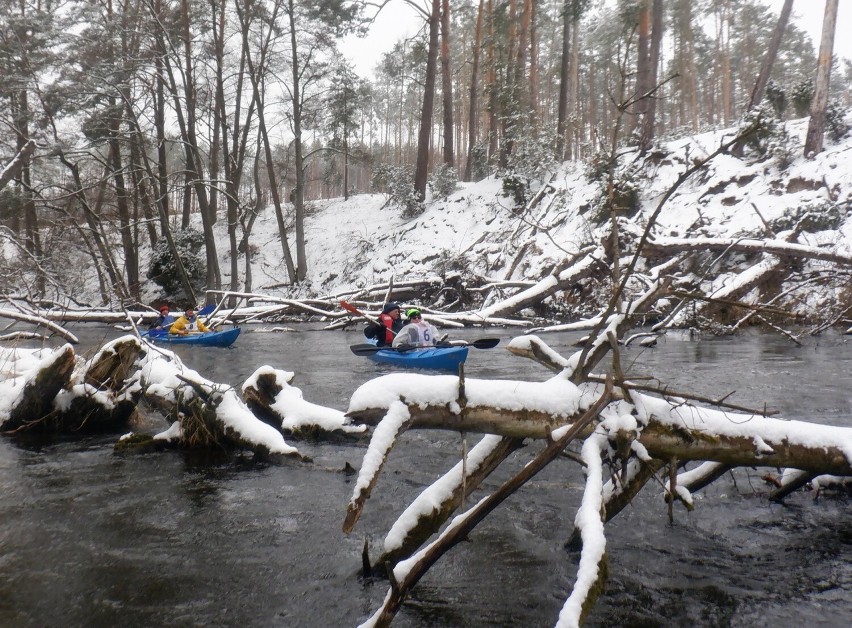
(390,319)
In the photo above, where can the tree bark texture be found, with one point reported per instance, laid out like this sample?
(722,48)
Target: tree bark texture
(816,124)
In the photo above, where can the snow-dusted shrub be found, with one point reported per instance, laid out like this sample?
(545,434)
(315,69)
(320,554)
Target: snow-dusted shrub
(517,188)
(411,205)
(835,121)
(816,215)
(625,192)
(380,180)
(444,181)
(163,270)
(776,97)
(783,148)
(802,96)
(531,159)
(532,154)
(769,137)
(479,162)
(312,209)
(398,183)
(598,166)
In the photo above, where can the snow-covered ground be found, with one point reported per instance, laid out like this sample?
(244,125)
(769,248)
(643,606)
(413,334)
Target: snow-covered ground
(478,230)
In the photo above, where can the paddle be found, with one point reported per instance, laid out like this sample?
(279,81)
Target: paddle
(481,343)
(354,310)
(368,349)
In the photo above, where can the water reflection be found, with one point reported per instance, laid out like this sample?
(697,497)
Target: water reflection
(92,539)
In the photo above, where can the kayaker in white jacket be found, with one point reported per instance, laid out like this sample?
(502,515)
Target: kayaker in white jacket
(417,333)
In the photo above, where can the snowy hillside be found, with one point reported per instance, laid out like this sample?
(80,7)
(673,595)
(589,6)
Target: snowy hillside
(478,232)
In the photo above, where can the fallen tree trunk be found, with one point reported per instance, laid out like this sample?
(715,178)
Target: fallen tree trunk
(34,408)
(61,396)
(663,439)
(403,540)
(780,248)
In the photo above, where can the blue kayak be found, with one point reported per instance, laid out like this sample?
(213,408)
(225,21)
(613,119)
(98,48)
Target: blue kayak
(440,358)
(224,338)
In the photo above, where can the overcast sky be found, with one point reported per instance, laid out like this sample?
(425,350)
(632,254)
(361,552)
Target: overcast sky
(398,20)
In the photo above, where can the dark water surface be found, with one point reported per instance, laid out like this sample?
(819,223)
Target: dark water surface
(88,538)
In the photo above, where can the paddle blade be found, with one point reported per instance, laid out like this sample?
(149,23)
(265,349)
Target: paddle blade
(350,308)
(365,349)
(368,349)
(485,343)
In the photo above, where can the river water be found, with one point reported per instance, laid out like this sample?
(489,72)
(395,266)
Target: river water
(88,538)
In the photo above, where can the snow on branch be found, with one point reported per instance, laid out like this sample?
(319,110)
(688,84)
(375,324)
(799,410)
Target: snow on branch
(384,438)
(779,248)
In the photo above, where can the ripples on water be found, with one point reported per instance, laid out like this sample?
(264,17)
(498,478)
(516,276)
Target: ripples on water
(91,539)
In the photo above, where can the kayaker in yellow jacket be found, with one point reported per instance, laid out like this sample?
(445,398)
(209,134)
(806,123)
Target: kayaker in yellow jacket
(187,324)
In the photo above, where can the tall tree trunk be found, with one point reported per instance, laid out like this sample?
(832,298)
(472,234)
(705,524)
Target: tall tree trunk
(186,204)
(254,73)
(160,127)
(533,62)
(816,125)
(32,237)
(686,61)
(771,54)
(509,106)
(447,85)
(232,171)
(193,154)
(473,114)
(650,118)
(298,154)
(186,124)
(95,228)
(141,181)
(491,85)
(521,96)
(564,64)
(131,262)
(161,204)
(576,133)
(643,70)
(425,136)
(725,63)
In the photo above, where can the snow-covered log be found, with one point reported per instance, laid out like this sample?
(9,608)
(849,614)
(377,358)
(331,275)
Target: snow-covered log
(270,396)
(58,393)
(407,573)
(509,408)
(105,390)
(206,414)
(665,247)
(584,264)
(43,321)
(431,509)
(32,379)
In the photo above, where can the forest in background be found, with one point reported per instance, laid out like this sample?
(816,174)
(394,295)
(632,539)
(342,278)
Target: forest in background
(129,117)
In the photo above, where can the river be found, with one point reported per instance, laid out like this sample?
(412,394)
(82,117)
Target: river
(89,538)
